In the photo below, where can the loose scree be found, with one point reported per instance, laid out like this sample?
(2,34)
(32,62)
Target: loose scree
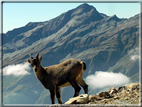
(64,74)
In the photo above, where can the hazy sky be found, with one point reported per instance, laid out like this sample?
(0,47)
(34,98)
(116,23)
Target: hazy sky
(16,15)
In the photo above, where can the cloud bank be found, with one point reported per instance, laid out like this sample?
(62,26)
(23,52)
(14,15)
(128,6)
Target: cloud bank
(134,54)
(135,57)
(106,79)
(17,70)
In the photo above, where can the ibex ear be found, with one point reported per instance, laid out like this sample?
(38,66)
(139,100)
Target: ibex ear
(40,59)
(28,60)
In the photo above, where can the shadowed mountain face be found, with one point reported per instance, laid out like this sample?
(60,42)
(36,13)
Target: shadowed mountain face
(105,43)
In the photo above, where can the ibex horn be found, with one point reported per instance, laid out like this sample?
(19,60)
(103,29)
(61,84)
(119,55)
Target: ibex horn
(30,56)
(37,55)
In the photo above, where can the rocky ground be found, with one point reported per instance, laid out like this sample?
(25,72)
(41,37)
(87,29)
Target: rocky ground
(127,95)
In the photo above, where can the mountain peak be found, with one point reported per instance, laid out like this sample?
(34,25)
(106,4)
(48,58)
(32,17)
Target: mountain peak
(91,13)
(114,17)
(86,7)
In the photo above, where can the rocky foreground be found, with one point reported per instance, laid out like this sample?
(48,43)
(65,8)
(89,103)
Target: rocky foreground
(129,94)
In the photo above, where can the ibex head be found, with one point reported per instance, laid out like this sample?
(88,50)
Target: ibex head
(35,62)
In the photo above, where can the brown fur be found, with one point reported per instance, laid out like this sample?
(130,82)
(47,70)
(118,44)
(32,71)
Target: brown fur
(64,74)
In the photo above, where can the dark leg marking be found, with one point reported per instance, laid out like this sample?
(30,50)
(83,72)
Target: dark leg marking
(58,95)
(76,87)
(52,96)
(84,85)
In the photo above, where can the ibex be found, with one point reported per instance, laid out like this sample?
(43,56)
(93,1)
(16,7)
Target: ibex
(64,74)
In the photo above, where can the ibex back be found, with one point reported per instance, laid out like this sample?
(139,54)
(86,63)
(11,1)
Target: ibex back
(64,74)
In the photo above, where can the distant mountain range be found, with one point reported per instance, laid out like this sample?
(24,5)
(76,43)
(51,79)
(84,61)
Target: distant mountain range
(105,43)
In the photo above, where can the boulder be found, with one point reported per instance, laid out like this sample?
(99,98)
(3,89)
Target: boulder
(112,91)
(103,94)
(120,88)
(92,98)
(82,99)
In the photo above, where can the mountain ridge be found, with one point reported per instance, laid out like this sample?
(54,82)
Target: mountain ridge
(65,15)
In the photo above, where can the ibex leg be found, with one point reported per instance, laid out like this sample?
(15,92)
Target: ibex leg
(76,87)
(52,96)
(58,95)
(83,84)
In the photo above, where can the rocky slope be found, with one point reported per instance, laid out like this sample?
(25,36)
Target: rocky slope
(124,95)
(105,43)
(129,94)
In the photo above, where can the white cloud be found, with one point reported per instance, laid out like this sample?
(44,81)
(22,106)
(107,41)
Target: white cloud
(135,57)
(134,54)
(18,69)
(106,79)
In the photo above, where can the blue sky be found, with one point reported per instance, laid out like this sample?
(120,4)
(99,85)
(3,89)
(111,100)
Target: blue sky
(16,15)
